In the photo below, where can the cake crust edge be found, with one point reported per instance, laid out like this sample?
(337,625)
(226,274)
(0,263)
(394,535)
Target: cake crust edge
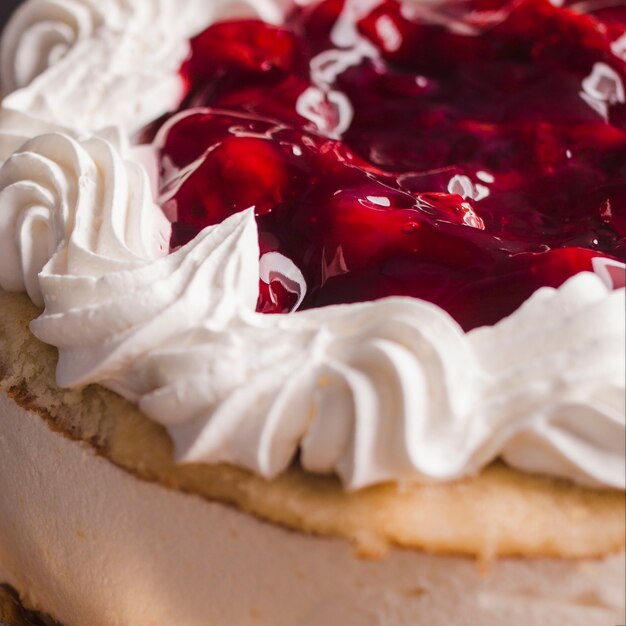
(501,512)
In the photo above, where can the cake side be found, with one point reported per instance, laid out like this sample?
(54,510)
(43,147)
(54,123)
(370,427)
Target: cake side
(501,512)
(105,554)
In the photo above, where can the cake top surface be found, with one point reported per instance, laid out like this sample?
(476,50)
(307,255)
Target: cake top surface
(389,154)
(323,170)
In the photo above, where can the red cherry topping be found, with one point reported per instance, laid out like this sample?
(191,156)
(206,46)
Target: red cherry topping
(466,153)
(242,48)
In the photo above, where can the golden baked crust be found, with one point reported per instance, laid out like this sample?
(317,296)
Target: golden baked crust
(501,512)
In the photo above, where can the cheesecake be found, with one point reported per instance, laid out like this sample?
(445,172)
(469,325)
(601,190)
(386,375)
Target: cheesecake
(313,313)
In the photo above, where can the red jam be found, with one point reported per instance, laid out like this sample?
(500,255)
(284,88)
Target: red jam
(466,154)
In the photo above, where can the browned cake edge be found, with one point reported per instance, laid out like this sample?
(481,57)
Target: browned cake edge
(500,512)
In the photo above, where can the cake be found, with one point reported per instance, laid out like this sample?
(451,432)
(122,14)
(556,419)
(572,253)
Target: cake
(313,314)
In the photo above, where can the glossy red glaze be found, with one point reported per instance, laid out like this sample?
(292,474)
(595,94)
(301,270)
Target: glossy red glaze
(466,155)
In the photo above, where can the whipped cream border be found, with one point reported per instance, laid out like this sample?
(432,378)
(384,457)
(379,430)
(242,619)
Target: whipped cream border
(380,391)
(92,64)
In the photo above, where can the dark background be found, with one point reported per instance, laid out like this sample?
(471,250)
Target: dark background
(6,8)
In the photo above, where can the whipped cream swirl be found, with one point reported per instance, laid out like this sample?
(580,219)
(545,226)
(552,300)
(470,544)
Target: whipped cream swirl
(40,35)
(75,207)
(386,390)
(106,63)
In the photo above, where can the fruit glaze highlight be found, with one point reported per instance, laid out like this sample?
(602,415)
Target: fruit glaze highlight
(461,153)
